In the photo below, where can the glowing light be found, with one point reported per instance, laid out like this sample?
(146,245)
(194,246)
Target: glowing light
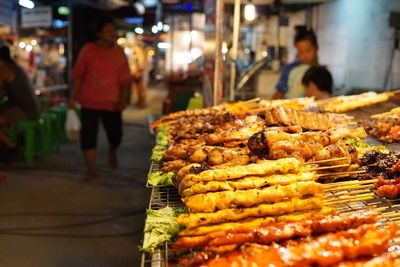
(28,48)
(34,42)
(121,41)
(264,53)
(195,53)
(154,29)
(127,51)
(26,3)
(22,45)
(63,10)
(139,30)
(163,45)
(187,38)
(224,48)
(166,27)
(140,8)
(151,53)
(182,58)
(160,26)
(61,49)
(250,12)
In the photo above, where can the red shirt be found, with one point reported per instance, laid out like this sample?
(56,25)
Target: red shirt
(103,73)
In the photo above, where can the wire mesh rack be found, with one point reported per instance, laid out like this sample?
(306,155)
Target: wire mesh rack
(164,196)
(160,258)
(168,196)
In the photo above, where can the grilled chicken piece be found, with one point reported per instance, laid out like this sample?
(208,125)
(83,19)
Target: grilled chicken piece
(188,187)
(303,146)
(337,151)
(255,222)
(305,119)
(210,202)
(266,167)
(295,204)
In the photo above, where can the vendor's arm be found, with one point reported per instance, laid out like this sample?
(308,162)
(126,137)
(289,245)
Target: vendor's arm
(278,95)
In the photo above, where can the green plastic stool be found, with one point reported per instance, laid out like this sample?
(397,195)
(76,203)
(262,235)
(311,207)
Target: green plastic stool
(29,127)
(51,132)
(195,103)
(44,103)
(59,122)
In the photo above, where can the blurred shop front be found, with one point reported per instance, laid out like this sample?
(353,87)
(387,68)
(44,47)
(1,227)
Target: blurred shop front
(181,51)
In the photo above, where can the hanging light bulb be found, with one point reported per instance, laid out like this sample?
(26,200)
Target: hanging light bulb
(250,11)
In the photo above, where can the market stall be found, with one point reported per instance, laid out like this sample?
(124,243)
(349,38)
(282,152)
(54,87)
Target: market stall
(298,182)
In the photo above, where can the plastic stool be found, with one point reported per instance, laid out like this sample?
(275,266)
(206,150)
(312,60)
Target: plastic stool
(29,127)
(195,103)
(50,132)
(61,114)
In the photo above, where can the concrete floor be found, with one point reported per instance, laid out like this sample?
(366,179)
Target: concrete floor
(49,218)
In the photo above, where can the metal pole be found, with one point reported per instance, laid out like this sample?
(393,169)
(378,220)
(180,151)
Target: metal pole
(172,50)
(235,40)
(218,71)
(69,44)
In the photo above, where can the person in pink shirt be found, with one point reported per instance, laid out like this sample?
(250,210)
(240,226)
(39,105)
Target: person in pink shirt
(101,82)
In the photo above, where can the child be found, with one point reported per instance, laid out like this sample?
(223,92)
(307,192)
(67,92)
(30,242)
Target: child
(318,82)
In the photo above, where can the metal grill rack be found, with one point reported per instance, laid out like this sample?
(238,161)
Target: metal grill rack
(161,197)
(158,259)
(164,196)
(168,196)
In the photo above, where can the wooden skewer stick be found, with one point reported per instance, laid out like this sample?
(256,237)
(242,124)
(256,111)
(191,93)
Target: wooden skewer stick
(252,105)
(344,196)
(363,208)
(380,209)
(349,199)
(252,100)
(328,175)
(325,160)
(329,167)
(351,182)
(348,186)
(257,110)
(352,187)
(390,215)
(344,193)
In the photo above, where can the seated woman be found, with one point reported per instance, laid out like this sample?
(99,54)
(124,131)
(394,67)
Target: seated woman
(19,102)
(318,82)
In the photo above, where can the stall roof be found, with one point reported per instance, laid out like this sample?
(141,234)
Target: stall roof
(100,4)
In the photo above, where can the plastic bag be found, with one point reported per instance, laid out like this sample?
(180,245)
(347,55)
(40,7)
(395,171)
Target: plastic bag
(72,126)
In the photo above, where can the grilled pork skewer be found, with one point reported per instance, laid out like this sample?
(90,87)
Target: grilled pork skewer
(252,223)
(277,232)
(326,250)
(390,259)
